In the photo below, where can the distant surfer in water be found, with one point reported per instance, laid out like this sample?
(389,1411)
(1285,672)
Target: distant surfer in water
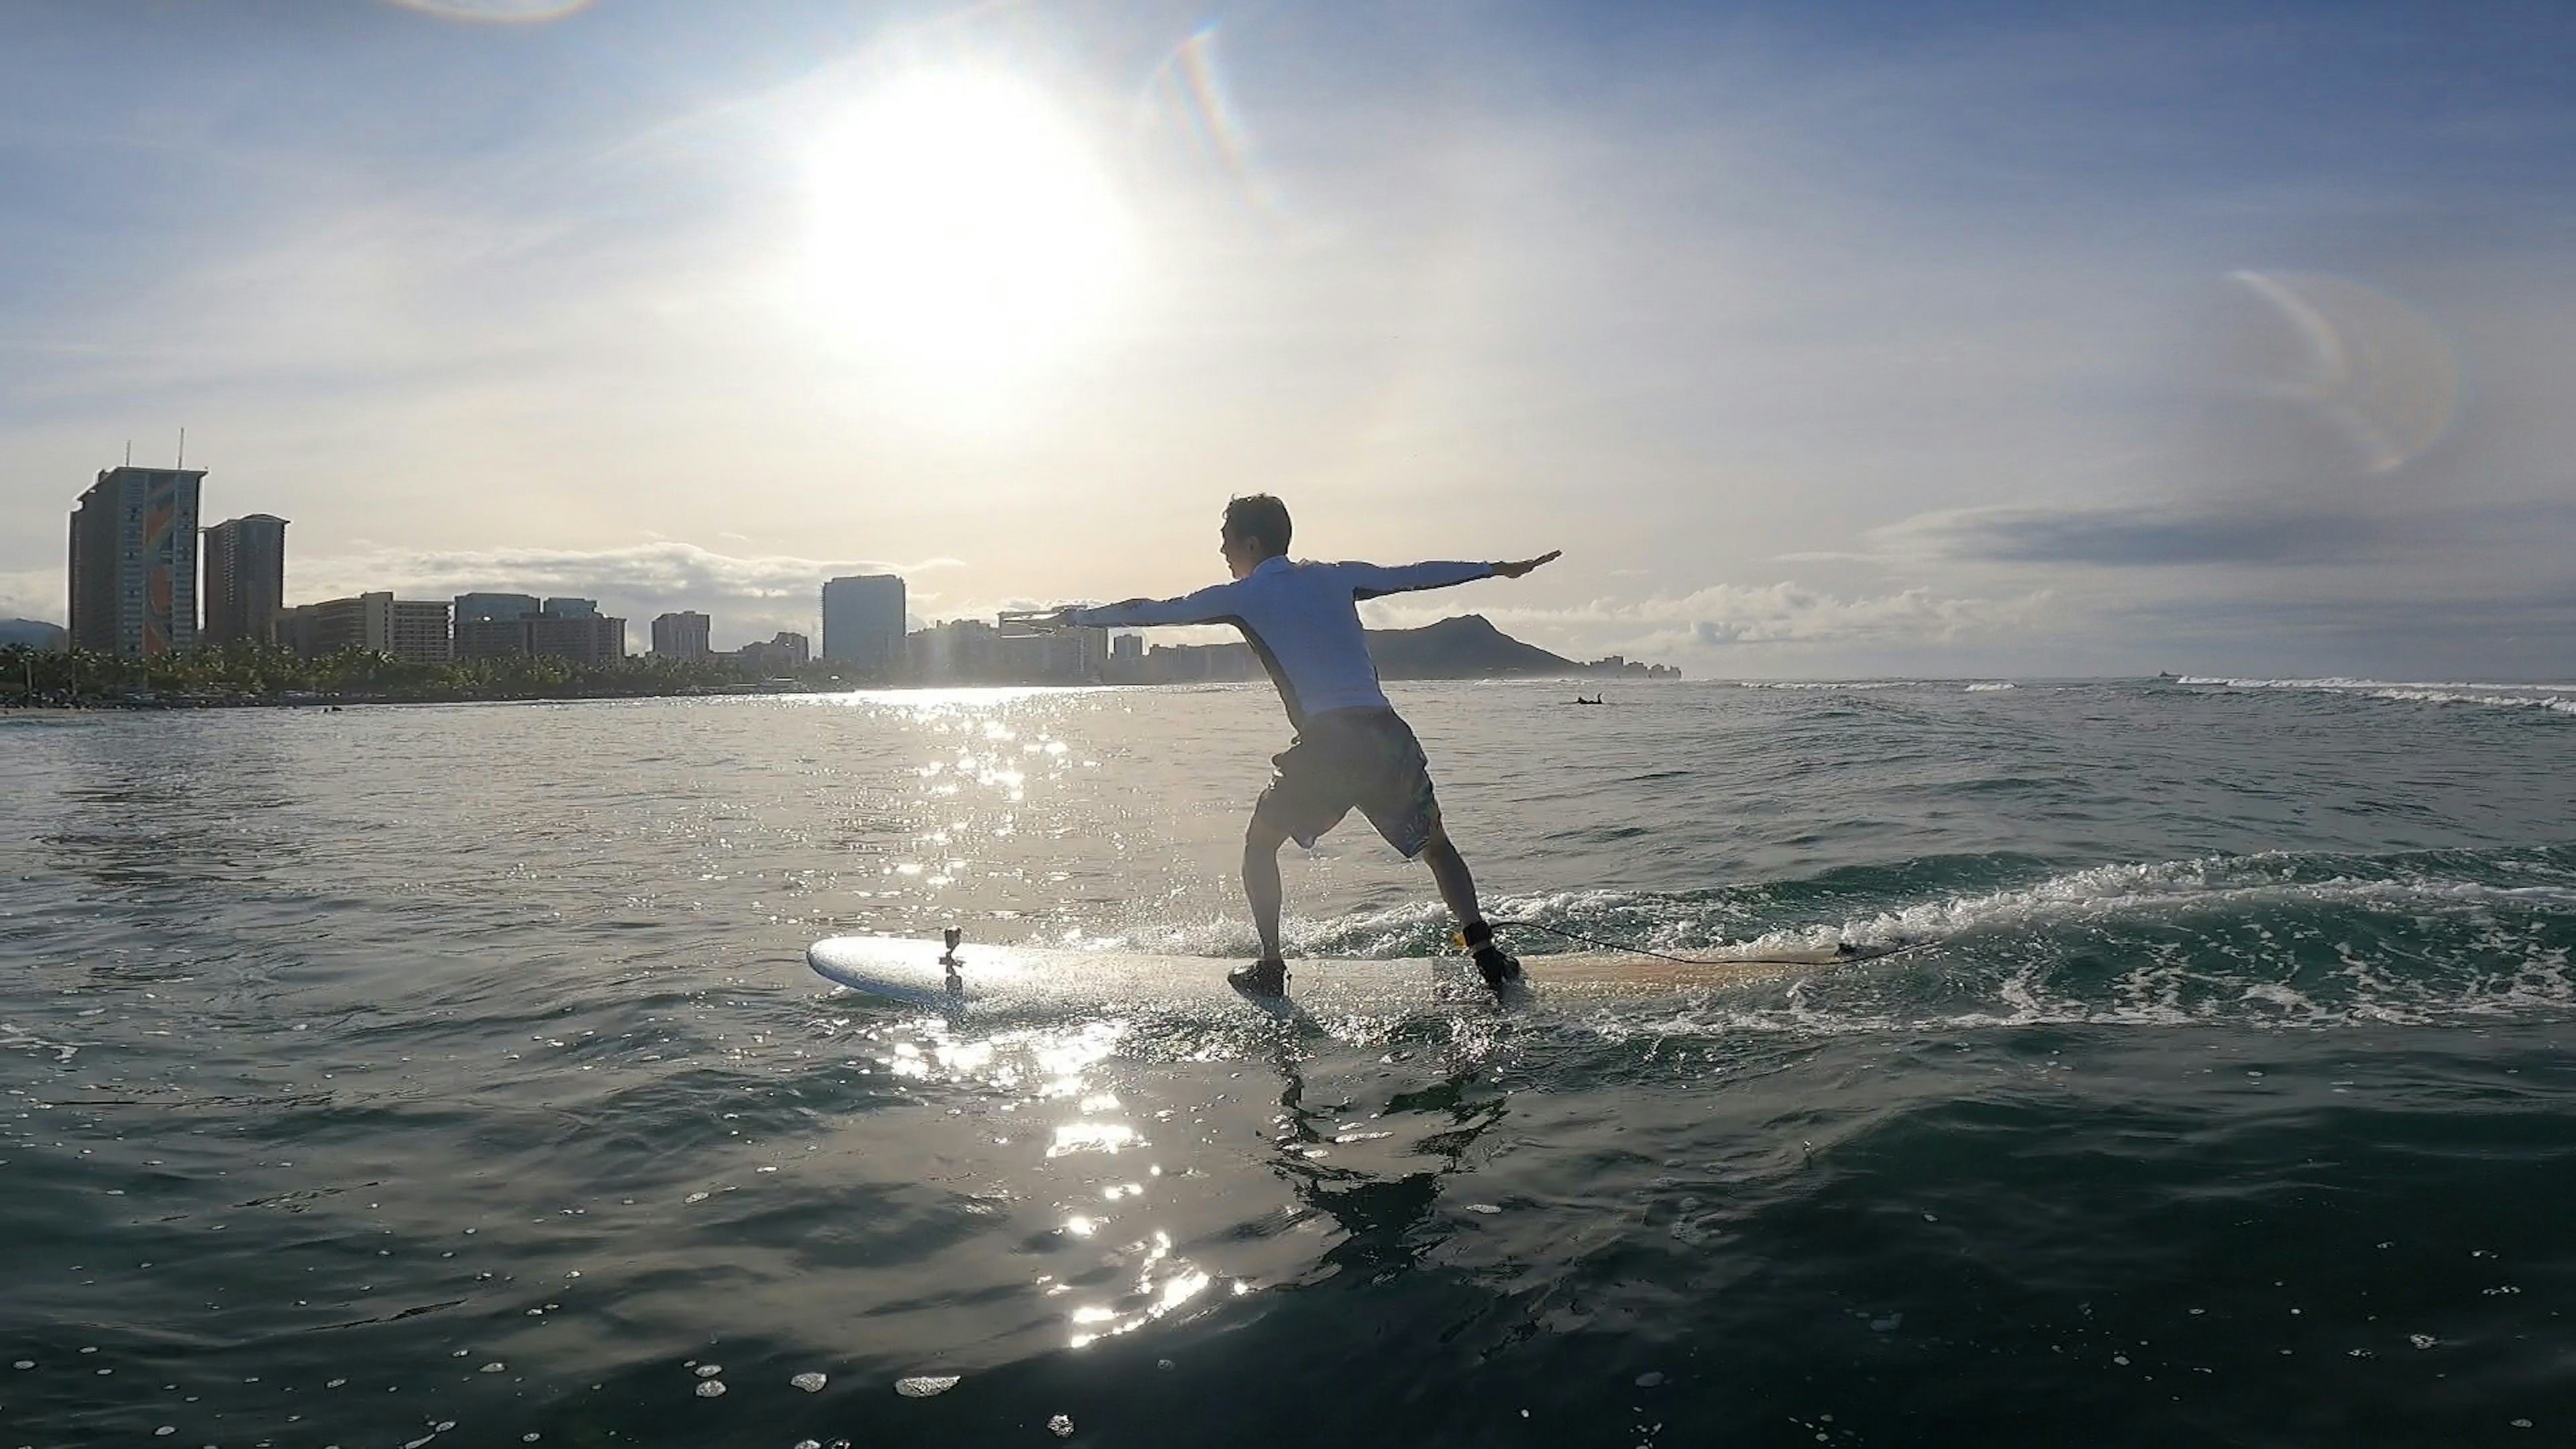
(1351,749)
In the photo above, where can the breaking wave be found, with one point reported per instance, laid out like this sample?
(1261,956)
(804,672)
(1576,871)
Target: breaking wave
(2344,685)
(1828,684)
(2558,698)
(2280,939)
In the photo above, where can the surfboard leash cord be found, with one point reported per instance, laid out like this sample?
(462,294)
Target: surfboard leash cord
(1637,950)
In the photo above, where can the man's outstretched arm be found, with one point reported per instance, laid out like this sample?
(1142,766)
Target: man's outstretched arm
(1211,605)
(1368,580)
(1519,567)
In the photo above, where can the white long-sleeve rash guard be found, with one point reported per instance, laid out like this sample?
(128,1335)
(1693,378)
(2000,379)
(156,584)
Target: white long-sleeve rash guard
(1302,622)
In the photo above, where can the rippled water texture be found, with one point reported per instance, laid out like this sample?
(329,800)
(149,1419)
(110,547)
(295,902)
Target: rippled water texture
(451,1075)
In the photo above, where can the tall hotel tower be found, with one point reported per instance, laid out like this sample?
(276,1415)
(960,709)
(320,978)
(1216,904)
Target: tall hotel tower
(134,562)
(863,621)
(245,579)
(681,636)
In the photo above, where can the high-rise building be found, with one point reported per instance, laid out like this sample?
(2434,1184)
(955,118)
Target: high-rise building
(780,655)
(471,607)
(408,629)
(1126,662)
(863,622)
(245,576)
(581,638)
(571,608)
(485,637)
(1069,656)
(681,636)
(134,562)
(958,651)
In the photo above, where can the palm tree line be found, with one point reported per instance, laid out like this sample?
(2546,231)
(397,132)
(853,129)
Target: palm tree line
(266,674)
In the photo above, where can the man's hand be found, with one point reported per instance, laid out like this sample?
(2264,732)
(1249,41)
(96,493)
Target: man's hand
(1516,569)
(1042,621)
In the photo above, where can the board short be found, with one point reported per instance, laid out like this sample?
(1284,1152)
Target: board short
(1364,759)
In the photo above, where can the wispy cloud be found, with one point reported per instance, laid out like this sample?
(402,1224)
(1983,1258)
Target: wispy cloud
(32,594)
(1732,617)
(2139,535)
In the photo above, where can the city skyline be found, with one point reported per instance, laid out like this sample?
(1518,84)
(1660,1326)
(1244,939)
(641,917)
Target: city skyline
(137,555)
(159,584)
(263,537)
(238,569)
(1824,339)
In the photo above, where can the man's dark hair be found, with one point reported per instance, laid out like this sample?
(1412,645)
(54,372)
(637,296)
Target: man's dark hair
(1260,520)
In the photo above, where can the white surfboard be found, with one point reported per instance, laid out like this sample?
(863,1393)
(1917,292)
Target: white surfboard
(1030,977)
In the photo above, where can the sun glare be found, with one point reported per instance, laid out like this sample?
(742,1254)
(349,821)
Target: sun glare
(960,222)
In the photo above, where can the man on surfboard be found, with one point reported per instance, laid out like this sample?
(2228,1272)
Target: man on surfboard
(1351,749)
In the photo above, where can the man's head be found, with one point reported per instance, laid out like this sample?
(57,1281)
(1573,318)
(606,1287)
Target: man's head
(1255,528)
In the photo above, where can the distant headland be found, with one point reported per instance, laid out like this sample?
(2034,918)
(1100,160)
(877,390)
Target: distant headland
(30,633)
(1464,646)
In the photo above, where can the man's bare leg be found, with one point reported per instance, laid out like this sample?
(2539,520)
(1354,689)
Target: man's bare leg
(1457,887)
(1261,882)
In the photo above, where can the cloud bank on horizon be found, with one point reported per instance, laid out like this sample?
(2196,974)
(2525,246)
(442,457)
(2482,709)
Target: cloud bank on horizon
(1827,339)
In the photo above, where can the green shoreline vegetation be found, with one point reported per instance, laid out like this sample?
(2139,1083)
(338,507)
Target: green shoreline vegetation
(235,675)
(251,674)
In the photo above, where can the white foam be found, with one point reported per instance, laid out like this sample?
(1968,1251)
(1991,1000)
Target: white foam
(2517,978)
(1827,683)
(2557,698)
(1998,684)
(2121,890)
(16,1038)
(2025,1002)
(2222,976)
(2340,683)
(2150,891)
(2562,704)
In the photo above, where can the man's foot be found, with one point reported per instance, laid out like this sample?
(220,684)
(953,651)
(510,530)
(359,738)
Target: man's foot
(1265,977)
(1492,962)
(1499,969)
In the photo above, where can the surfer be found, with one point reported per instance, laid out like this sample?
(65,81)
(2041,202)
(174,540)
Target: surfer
(1351,748)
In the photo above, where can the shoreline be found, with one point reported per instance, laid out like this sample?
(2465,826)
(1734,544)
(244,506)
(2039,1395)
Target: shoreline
(108,706)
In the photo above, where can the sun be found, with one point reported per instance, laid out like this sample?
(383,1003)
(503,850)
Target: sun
(960,222)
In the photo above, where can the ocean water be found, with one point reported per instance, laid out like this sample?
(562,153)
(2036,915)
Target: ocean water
(451,1075)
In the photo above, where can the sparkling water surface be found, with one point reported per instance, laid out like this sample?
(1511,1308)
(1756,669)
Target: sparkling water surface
(451,1075)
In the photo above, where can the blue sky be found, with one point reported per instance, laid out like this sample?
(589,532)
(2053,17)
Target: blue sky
(1827,339)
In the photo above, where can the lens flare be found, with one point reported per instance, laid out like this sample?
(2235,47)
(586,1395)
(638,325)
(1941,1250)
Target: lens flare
(1187,95)
(2379,370)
